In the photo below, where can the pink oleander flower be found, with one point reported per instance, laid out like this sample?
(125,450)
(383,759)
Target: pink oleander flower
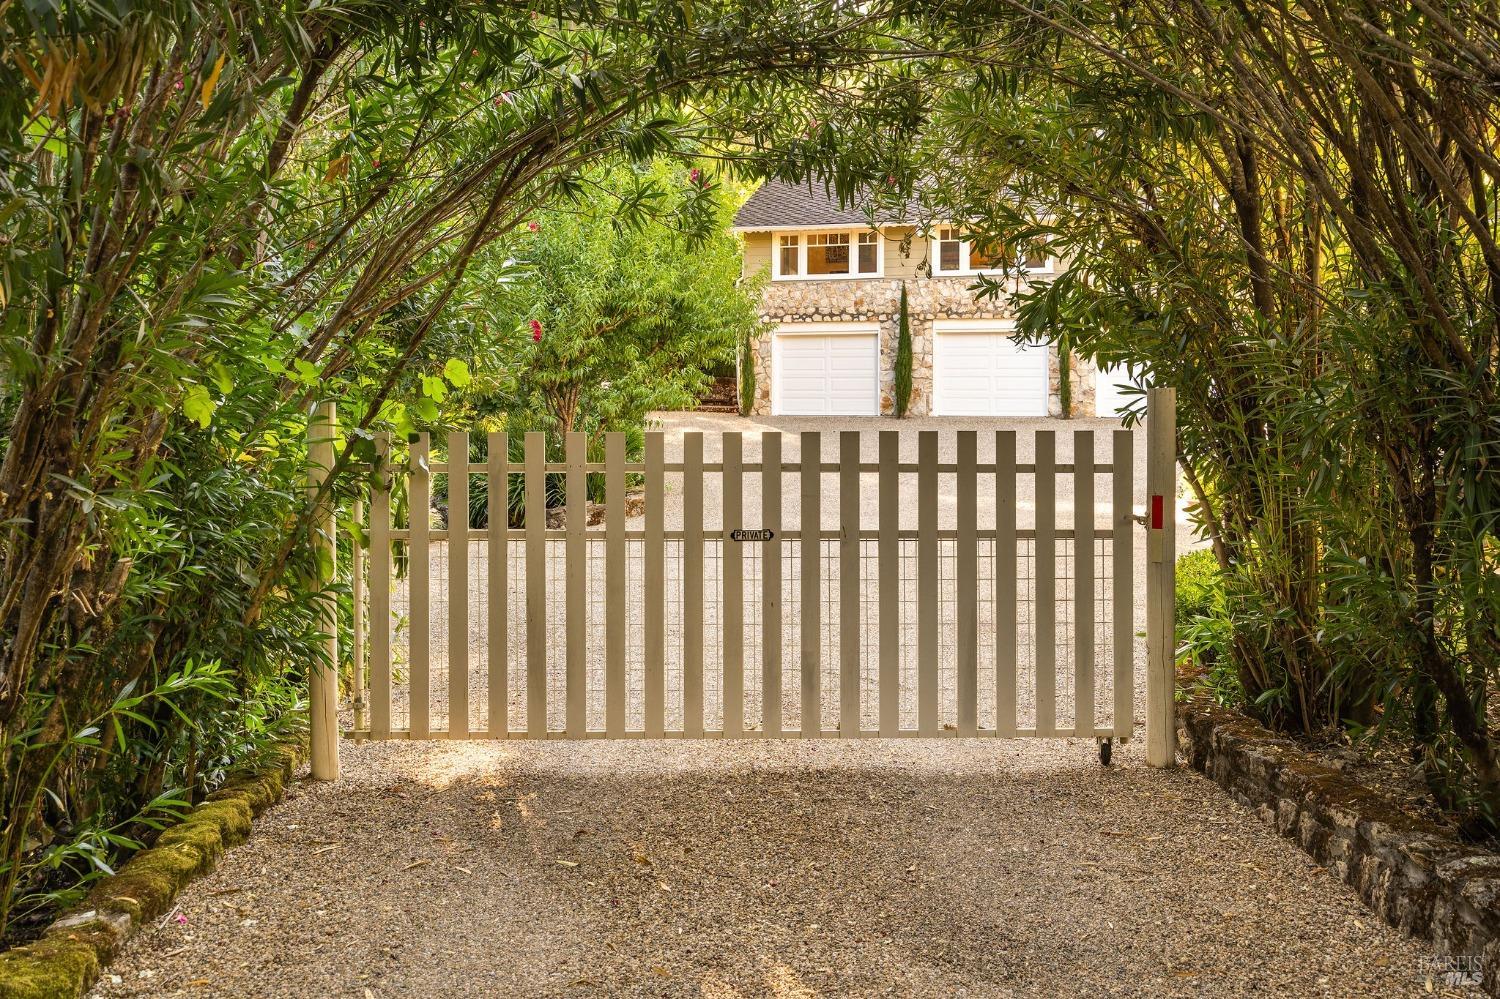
(532,226)
(536,331)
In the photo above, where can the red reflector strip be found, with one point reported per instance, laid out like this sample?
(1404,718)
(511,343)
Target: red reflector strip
(1158,504)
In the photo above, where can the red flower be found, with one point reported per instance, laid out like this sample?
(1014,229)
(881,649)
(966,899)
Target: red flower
(532,226)
(536,331)
(693,175)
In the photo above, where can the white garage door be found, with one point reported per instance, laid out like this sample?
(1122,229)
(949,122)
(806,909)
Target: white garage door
(979,371)
(832,374)
(1110,383)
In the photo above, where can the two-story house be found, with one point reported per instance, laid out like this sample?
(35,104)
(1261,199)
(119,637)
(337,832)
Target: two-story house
(830,314)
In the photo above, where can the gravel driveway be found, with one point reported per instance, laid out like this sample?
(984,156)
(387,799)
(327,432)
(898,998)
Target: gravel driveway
(782,869)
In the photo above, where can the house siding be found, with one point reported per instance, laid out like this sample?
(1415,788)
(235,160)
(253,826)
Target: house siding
(878,300)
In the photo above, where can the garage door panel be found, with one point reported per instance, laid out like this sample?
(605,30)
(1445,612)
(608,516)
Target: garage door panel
(827,375)
(984,373)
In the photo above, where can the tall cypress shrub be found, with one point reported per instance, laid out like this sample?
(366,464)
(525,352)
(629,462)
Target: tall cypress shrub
(747,377)
(903,357)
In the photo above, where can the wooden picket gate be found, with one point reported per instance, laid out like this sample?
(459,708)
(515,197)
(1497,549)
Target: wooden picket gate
(701,606)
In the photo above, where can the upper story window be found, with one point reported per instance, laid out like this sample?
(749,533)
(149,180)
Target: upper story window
(954,254)
(825,255)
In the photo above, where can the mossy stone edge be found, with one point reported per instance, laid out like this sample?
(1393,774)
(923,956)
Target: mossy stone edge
(1416,875)
(68,958)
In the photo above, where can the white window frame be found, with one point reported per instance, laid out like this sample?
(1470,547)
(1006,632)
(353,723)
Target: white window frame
(934,257)
(803,233)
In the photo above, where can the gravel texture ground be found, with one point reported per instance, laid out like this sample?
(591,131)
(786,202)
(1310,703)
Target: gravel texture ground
(764,869)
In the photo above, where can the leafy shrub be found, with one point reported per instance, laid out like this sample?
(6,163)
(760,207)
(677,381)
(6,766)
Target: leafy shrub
(1200,586)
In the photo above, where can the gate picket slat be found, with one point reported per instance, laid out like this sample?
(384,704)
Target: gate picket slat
(536,585)
(849,584)
(419,507)
(458,585)
(1005,583)
(1083,583)
(576,577)
(655,643)
(1122,613)
(497,493)
(770,579)
(692,584)
(811,598)
(888,556)
(615,595)
(380,592)
(733,563)
(927,582)
(966,576)
(1046,583)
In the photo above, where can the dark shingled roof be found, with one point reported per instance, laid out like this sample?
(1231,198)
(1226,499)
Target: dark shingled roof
(777,203)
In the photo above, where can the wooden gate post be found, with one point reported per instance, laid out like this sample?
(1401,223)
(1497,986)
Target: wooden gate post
(323,680)
(1161,576)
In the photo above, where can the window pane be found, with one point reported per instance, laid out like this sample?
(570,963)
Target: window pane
(1037,259)
(828,253)
(867,258)
(986,256)
(789,254)
(948,255)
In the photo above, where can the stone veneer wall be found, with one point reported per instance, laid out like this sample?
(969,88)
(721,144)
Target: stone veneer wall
(879,300)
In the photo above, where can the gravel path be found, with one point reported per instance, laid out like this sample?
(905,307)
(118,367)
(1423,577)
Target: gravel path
(779,869)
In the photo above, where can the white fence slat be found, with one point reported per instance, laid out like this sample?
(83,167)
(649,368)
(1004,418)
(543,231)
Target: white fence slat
(536,585)
(927,582)
(1006,572)
(1046,583)
(575,594)
(692,584)
(1161,579)
(615,593)
(888,555)
(1122,612)
(849,584)
(358,674)
(811,638)
(655,629)
(458,585)
(1083,583)
(966,578)
(733,567)
(420,508)
(380,591)
(497,602)
(770,580)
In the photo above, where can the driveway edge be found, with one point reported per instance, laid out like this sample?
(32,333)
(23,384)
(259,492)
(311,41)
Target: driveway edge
(1414,874)
(66,961)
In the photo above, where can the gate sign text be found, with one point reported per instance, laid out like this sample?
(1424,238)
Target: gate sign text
(759,534)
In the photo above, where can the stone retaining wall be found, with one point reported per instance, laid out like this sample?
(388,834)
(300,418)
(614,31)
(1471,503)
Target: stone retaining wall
(879,300)
(1416,875)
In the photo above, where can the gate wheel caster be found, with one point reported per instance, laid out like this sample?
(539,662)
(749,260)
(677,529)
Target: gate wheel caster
(1106,749)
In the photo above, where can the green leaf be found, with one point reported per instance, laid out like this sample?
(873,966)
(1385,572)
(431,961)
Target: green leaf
(434,388)
(198,405)
(457,372)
